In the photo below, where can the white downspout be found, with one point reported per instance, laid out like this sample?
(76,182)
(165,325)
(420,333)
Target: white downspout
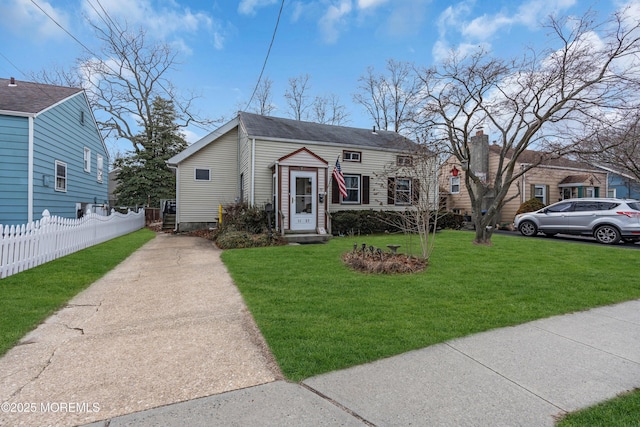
(238,162)
(177,224)
(253,170)
(30,174)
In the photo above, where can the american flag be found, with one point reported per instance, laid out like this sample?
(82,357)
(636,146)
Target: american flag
(339,177)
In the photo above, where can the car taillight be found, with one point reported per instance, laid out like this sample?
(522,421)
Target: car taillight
(630,214)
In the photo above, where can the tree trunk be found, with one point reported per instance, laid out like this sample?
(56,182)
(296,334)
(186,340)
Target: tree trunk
(484,228)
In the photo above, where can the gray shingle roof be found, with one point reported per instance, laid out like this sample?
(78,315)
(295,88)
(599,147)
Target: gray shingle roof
(531,156)
(28,97)
(258,126)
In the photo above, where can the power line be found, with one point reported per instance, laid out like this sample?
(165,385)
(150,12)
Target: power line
(114,25)
(264,65)
(61,27)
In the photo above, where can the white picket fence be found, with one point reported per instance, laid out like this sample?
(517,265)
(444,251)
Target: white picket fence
(26,246)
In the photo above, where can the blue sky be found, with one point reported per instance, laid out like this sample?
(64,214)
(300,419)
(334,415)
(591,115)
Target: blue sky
(223,44)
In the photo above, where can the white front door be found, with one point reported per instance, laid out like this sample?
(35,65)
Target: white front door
(303,200)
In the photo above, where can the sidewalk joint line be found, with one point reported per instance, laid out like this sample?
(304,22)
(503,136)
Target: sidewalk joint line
(337,404)
(587,345)
(520,386)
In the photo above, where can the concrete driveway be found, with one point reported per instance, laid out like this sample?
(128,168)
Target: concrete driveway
(167,325)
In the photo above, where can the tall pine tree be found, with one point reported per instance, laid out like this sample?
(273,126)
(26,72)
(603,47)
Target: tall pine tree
(143,175)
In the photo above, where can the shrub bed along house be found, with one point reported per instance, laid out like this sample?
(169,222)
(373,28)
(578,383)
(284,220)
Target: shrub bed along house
(530,205)
(245,227)
(378,222)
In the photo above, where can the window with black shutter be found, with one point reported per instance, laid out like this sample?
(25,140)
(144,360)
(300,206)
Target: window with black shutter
(391,191)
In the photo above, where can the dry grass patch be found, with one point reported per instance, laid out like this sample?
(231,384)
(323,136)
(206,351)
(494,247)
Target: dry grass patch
(383,262)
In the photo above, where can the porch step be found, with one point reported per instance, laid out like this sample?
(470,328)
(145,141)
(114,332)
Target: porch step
(169,222)
(307,238)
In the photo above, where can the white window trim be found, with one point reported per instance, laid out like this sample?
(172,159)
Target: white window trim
(451,179)
(99,168)
(87,159)
(397,200)
(55,173)
(348,156)
(404,161)
(544,192)
(195,174)
(353,202)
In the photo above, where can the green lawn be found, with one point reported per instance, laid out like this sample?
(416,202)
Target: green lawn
(620,412)
(29,297)
(318,316)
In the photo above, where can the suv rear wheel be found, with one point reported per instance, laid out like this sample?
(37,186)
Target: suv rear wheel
(607,234)
(528,228)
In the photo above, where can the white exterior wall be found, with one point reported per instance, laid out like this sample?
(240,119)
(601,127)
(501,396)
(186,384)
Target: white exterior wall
(198,201)
(301,159)
(372,164)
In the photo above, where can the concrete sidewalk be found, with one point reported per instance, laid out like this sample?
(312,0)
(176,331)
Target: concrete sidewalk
(165,340)
(167,325)
(519,376)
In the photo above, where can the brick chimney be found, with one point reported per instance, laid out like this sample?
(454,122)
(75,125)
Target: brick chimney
(479,153)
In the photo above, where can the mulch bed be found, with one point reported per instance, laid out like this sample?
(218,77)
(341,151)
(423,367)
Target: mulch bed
(383,263)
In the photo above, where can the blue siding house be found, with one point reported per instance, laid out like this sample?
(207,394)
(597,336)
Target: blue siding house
(52,155)
(620,185)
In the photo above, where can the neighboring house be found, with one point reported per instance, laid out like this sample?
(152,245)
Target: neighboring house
(622,186)
(551,181)
(289,163)
(52,155)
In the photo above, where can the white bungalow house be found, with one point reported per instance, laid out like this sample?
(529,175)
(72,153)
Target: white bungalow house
(288,163)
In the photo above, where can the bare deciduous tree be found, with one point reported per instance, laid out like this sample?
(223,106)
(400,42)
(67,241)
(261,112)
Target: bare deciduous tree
(328,110)
(297,96)
(123,80)
(411,181)
(548,100)
(263,99)
(617,148)
(57,75)
(389,99)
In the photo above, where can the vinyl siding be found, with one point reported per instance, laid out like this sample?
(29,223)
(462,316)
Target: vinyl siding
(547,176)
(14,156)
(372,164)
(60,135)
(626,188)
(198,201)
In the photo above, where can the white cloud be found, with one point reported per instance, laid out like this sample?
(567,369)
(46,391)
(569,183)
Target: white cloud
(334,20)
(630,12)
(456,22)
(248,7)
(485,26)
(442,51)
(166,22)
(529,14)
(452,16)
(22,17)
(366,4)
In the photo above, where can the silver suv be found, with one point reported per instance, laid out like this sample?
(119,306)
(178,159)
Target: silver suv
(608,220)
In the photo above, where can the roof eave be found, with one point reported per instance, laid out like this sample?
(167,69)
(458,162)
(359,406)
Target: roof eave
(17,113)
(334,144)
(202,143)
